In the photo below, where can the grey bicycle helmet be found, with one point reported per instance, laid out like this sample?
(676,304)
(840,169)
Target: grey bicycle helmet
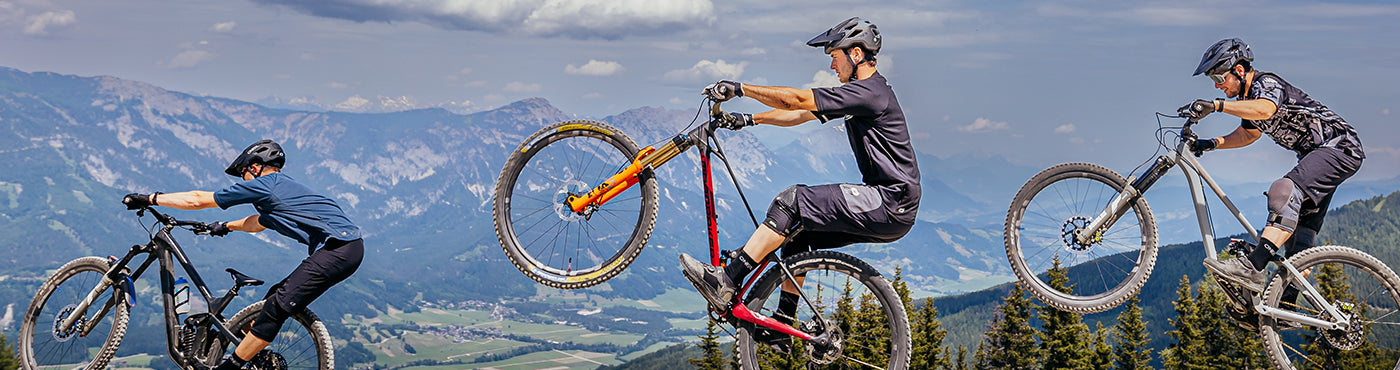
(266,152)
(1224,55)
(852,32)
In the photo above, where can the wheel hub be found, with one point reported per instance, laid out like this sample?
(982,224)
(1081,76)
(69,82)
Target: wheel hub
(826,347)
(1347,338)
(268,360)
(66,335)
(1069,231)
(570,189)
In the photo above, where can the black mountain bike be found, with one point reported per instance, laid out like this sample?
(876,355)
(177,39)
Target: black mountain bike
(1092,219)
(576,203)
(94,295)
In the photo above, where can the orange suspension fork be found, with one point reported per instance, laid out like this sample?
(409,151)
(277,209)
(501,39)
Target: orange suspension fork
(613,185)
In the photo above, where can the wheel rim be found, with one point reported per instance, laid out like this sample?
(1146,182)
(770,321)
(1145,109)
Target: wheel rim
(555,240)
(1370,304)
(860,342)
(52,348)
(1049,223)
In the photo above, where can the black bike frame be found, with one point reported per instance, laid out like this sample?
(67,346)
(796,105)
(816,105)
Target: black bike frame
(165,249)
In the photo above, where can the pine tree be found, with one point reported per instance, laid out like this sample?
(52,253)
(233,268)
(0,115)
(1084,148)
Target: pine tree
(1130,350)
(1064,338)
(1102,358)
(1225,343)
(713,357)
(962,358)
(927,339)
(8,360)
(1010,344)
(1184,353)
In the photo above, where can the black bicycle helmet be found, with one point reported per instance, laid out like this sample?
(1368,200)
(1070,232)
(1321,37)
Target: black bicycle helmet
(852,32)
(1223,56)
(265,152)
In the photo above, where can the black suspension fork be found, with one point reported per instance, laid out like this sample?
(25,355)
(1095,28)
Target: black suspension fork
(1115,209)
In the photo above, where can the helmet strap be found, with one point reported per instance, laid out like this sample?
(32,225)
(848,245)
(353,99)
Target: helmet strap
(1242,84)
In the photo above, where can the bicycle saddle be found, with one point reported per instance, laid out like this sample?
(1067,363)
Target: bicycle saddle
(240,279)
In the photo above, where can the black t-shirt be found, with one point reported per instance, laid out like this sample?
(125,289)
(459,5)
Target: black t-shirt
(879,137)
(1300,124)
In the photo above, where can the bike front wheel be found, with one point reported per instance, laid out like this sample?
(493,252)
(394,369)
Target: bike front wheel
(303,342)
(1363,289)
(1040,232)
(856,303)
(44,345)
(547,240)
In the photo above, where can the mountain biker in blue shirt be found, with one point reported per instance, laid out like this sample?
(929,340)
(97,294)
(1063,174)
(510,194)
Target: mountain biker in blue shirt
(881,209)
(290,208)
(1328,149)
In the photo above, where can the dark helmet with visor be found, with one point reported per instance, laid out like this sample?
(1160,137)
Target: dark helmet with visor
(850,33)
(1223,56)
(265,152)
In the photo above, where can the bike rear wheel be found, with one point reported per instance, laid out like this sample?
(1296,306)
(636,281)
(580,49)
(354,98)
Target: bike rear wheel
(1363,288)
(544,238)
(849,294)
(43,346)
(1040,225)
(303,342)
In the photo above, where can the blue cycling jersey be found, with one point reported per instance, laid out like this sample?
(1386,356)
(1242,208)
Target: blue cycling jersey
(291,209)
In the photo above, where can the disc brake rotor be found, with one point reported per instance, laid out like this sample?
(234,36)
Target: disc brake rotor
(1347,338)
(66,335)
(1069,231)
(561,200)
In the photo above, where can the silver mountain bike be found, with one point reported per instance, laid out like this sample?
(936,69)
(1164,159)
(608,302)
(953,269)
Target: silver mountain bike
(1093,220)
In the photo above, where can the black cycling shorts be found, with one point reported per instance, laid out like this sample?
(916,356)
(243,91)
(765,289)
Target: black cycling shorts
(838,215)
(330,265)
(1318,174)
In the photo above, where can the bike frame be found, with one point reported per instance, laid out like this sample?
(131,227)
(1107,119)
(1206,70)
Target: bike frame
(651,158)
(1195,176)
(167,251)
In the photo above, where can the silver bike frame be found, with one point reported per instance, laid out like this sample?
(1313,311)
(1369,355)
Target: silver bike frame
(1195,176)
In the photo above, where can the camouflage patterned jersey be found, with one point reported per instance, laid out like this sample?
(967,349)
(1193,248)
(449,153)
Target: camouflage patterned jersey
(1301,124)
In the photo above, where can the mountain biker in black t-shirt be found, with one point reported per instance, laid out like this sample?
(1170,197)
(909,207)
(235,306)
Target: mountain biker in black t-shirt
(1329,152)
(881,209)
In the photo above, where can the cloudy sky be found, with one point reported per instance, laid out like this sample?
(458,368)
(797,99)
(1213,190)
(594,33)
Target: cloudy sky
(1037,82)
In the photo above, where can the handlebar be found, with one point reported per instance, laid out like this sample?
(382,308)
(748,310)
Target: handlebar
(199,228)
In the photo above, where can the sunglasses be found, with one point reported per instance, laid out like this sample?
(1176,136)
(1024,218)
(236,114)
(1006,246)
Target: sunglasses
(1219,78)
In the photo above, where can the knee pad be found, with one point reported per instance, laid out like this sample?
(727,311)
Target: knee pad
(783,216)
(1285,201)
(269,321)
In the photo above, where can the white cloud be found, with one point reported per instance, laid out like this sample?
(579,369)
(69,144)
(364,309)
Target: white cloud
(337,85)
(608,19)
(39,24)
(675,100)
(593,95)
(521,87)
(981,125)
(754,51)
(1385,112)
(1065,128)
(706,70)
(595,68)
(189,58)
(224,27)
(823,79)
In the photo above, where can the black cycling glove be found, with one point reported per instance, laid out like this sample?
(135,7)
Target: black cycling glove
(136,201)
(1201,146)
(218,228)
(1198,109)
(735,121)
(724,90)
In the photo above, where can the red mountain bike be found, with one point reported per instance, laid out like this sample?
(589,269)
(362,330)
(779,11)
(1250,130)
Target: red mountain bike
(576,203)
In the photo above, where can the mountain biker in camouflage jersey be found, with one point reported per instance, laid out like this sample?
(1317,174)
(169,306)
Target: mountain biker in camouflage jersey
(1328,149)
(880,210)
